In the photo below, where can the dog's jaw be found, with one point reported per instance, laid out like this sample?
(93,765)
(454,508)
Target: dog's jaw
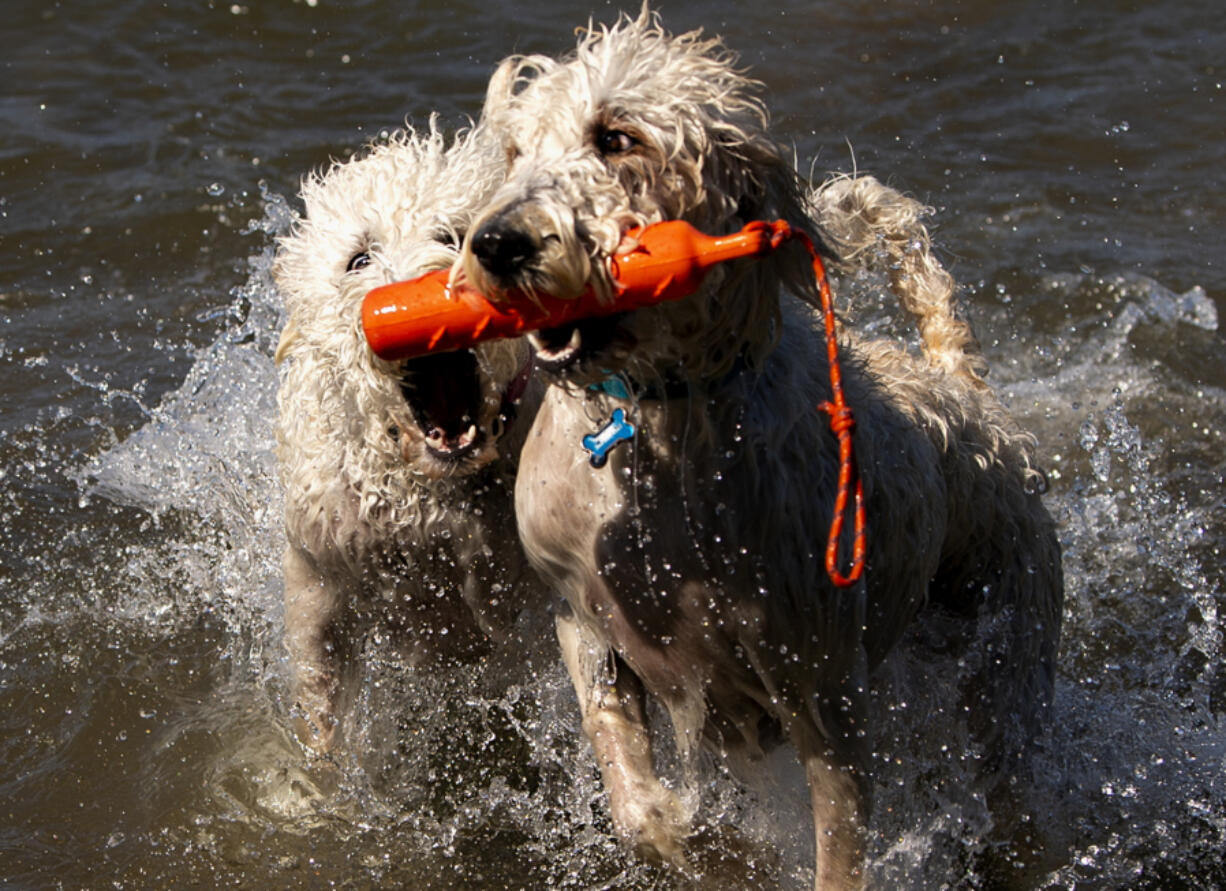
(455,415)
(432,459)
(439,444)
(552,358)
(591,348)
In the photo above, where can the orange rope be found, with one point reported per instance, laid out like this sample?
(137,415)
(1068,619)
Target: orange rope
(841,423)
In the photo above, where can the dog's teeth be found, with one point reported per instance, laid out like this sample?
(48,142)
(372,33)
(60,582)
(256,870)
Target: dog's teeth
(469,436)
(575,340)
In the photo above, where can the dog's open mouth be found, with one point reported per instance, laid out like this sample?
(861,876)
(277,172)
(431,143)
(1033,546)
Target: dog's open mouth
(558,349)
(443,392)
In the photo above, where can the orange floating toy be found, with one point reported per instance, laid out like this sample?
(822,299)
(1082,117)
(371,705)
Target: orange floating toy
(411,318)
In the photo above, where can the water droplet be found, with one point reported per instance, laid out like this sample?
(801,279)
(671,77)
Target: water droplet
(1088,435)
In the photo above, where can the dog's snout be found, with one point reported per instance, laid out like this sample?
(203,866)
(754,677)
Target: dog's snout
(502,248)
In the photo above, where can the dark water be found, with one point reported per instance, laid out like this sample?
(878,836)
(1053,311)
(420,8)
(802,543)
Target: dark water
(148,153)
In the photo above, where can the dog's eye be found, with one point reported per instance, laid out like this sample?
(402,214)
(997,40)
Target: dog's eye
(615,142)
(449,237)
(359,260)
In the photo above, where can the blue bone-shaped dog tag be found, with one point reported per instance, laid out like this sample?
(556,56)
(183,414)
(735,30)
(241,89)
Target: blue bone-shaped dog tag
(600,443)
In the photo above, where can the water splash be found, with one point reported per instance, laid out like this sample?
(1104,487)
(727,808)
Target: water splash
(438,765)
(480,776)
(1128,787)
(1133,769)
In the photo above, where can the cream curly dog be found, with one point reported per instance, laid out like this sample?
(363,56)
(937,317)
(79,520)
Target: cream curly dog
(691,560)
(398,475)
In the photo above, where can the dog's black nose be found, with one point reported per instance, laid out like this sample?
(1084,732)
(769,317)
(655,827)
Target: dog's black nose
(502,248)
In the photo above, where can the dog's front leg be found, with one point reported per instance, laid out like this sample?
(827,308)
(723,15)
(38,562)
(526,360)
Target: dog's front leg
(312,611)
(835,767)
(647,815)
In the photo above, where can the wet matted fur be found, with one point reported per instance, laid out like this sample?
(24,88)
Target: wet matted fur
(398,475)
(692,560)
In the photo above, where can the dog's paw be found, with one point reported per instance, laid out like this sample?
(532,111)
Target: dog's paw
(289,792)
(654,822)
(318,734)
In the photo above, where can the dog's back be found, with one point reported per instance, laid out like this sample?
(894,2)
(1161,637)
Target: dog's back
(1000,556)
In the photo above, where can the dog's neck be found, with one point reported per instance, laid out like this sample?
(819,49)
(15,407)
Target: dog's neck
(626,389)
(671,384)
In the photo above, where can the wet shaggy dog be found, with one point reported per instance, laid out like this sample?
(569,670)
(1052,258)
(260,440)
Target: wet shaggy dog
(691,560)
(398,475)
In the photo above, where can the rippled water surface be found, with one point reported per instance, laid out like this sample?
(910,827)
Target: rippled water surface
(151,152)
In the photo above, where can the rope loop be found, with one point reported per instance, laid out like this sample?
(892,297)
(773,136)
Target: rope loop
(842,424)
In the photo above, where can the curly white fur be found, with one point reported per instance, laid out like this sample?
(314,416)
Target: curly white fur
(700,153)
(691,561)
(383,522)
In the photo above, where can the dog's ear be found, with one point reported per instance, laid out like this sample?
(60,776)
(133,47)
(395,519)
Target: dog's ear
(501,88)
(509,78)
(759,180)
(289,338)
